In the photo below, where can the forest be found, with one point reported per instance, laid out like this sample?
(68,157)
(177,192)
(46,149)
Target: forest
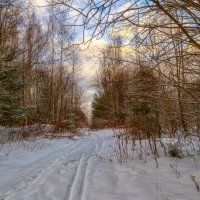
(99,99)
(148,77)
(39,68)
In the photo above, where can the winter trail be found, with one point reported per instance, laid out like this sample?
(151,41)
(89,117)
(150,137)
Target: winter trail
(87,169)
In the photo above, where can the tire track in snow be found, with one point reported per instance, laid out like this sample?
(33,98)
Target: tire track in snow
(77,186)
(85,185)
(99,143)
(50,164)
(76,189)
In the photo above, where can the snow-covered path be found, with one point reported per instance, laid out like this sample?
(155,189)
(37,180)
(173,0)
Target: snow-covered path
(57,171)
(84,169)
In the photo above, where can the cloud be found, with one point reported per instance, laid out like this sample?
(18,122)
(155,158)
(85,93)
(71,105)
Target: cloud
(89,66)
(39,2)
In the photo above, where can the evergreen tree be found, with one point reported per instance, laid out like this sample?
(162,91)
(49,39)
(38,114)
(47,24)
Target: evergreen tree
(142,107)
(11,85)
(11,90)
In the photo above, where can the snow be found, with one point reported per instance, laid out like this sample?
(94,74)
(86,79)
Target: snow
(86,168)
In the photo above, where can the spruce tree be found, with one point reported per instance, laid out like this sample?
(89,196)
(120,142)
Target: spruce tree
(11,90)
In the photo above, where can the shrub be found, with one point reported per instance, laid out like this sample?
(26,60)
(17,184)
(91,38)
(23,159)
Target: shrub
(174,150)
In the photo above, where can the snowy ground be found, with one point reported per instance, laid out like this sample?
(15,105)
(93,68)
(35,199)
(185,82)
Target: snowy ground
(85,168)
